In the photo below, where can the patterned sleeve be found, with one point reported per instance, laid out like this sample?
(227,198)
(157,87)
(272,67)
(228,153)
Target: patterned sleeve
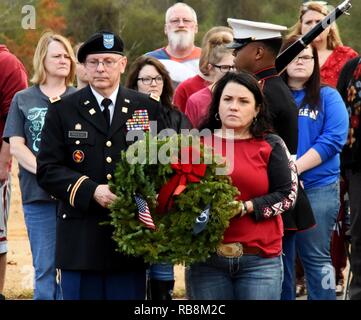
(346,75)
(283,182)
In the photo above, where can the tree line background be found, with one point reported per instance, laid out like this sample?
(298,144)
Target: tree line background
(141,22)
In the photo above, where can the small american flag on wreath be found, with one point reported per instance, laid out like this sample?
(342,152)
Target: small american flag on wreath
(143,212)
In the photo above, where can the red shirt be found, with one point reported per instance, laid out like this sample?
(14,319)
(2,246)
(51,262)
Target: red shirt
(198,105)
(13,78)
(331,69)
(260,170)
(185,89)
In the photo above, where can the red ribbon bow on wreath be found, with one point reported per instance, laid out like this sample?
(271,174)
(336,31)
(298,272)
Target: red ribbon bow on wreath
(185,173)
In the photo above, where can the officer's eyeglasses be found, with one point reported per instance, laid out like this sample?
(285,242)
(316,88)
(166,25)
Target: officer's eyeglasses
(304,59)
(224,68)
(108,63)
(147,81)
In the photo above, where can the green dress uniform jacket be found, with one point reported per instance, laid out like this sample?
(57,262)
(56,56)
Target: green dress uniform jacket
(77,153)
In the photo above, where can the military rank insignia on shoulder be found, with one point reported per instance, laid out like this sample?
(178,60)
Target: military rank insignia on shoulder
(54,99)
(154,97)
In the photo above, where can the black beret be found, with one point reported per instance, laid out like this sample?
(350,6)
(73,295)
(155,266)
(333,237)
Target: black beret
(101,42)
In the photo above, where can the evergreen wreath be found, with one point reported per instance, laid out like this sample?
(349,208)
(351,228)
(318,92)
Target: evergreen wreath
(172,240)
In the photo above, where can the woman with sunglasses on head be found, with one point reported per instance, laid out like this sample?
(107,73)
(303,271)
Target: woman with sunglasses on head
(220,61)
(323,127)
(149,76)
(332,53)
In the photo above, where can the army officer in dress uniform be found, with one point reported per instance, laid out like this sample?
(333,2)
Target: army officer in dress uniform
(81,143)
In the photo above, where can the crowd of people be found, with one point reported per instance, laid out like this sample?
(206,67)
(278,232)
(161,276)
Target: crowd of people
(296,139)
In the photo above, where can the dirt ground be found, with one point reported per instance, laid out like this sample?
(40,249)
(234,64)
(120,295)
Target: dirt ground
(19,273)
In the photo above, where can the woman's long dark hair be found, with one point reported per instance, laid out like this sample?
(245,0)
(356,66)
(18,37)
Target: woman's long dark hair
(258,127)
(313,84)
(132,78)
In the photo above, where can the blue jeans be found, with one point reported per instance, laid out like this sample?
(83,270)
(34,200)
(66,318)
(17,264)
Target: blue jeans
(289,258)
(313,245)
(40,220)
(250,277)
(161,271)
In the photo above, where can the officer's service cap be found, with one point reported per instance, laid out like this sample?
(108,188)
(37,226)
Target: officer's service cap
(246,31)
(101,42)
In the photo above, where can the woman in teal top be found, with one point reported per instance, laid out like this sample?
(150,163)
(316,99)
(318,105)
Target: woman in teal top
(54,70)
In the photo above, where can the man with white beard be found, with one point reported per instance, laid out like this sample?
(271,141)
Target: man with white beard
(180,56)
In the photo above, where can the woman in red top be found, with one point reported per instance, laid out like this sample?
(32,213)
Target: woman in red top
(248,263)
(332,53)
(186,88)
(220,61)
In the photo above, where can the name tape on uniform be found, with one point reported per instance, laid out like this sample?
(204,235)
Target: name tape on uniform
(78,134)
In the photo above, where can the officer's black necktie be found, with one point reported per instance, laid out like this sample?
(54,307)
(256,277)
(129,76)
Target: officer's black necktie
(106,103)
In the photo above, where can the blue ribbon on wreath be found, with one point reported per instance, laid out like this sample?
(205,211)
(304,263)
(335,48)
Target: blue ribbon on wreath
(201,220)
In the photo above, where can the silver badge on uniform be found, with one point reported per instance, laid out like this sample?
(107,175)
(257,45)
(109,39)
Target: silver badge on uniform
(78,126)
(78,134)
(108,41)
(92,111)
